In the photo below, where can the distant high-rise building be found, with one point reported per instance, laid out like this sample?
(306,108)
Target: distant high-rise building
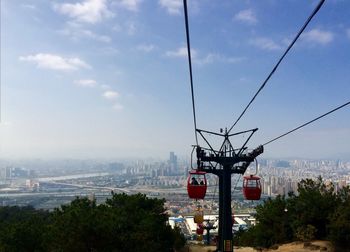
(173,162)
(8,172)
(173,158)
(186,168)
(2,173)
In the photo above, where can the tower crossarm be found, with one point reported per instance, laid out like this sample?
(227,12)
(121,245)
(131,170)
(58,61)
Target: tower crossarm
(238,163)
(228,160)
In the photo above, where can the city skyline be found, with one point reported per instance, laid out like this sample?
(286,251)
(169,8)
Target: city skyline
(109,79)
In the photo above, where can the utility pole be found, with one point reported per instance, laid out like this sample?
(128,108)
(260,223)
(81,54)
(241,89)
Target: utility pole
(223,163)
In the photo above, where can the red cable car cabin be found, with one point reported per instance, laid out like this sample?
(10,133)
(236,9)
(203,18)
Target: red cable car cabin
(251,187)
(196,185)
(199,231)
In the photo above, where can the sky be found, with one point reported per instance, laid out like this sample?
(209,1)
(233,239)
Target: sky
(110,79)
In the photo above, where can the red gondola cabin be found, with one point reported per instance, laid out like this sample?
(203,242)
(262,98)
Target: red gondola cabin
(200,231)
(196,185)
(251,187)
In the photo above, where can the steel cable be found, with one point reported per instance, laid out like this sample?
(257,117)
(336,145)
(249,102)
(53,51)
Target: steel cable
(190,68)
(279,61)
(307,123)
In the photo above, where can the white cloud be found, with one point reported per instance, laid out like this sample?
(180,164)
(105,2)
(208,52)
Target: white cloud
(214,57)
(180,53)
(76,32)
(88,11)
(246,16)
(287,41)
(131,28)
(108,50)
(234,59)
(132,5)
(92,35)
(197,59)
(318,36)
(145,47)
(86,83)
(172,6)
(265,44)
(55,62)
(243,79)
(105,87)
(117,28)
(128,27)
(29,6)
(117,107)
(110,95)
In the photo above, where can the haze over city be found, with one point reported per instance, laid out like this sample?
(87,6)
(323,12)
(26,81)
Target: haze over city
(109,79)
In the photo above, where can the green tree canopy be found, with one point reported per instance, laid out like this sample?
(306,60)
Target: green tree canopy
(314,205)
(22,229)
(317,211)
(339,227)
(123,223)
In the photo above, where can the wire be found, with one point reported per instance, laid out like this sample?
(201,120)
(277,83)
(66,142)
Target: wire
(239,177)
(212,200)
(303,125)
(192,158)
(234,188)
(256,166)
(190,68)
(280,60)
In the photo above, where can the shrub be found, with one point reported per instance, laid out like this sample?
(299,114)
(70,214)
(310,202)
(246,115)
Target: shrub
(306,233)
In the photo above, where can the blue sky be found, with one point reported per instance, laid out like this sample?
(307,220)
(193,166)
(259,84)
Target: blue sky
(109,78)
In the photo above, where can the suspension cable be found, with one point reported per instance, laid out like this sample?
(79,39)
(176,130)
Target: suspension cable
(239,177)
(213,198)
(280,60)
(234,188)
(190,68)
(303,125)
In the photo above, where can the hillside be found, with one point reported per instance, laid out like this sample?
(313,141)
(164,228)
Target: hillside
(314,246)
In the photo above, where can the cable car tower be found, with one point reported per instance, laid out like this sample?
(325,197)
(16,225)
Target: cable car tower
(227,160)
(223,163)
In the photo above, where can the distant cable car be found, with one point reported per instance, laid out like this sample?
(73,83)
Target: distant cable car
(196,185)
(200,229)
(198,216)
(251,187)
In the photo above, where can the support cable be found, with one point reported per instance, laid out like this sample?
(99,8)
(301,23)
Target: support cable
(191,157)
(239,177)
(303,125)
(280,60)
(190,68)
(212,200)
(234,188)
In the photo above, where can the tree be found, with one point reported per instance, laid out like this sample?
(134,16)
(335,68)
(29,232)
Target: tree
(273,225)
(317,212)
(145,219)
(123,223)
(274,220)
(306,233)
(76,227)
(339,227)
(313,206)
(22,229)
